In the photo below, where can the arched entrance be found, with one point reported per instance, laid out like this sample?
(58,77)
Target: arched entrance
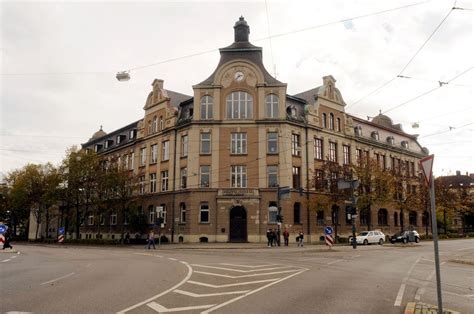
(238,224)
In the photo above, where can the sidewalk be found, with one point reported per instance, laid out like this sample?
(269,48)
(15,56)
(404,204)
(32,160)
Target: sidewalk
(423,308)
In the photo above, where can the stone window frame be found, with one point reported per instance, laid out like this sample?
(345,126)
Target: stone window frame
(271,106)
(207,107)
(239,105)
(204,208)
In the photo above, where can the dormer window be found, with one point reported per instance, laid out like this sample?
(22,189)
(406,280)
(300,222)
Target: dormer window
(293,111)
(155,124)
(391,140)
(375,135)
(133,133)
(120,139)
(404,144)
(98,147)
(109,143)
(358,130)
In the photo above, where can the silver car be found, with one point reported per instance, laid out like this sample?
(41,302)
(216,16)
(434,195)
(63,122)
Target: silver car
(366,237)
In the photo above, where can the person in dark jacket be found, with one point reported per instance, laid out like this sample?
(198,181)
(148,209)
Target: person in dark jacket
(7,244)
(286,236)
(300,239)
(269,237)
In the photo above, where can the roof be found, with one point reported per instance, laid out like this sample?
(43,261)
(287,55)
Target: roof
(177,98)
(98,134)
(309,95)
(457,180)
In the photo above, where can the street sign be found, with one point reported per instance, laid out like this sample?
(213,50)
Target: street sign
(3,229)
(426,165)
(329,240)
(328,230)
(61,230)
(343,184)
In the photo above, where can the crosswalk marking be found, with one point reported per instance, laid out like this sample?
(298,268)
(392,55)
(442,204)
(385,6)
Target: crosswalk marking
(230,284)
(196,295)
(245,276)
(240,270)
(161,309)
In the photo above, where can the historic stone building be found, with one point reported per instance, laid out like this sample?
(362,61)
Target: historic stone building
(212,162)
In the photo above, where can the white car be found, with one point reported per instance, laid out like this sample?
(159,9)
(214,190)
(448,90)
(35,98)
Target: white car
(366,237)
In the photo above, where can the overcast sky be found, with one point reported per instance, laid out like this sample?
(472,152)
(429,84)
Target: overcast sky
(59,60)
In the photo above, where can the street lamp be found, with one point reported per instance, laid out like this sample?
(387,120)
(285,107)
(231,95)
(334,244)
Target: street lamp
(123,76)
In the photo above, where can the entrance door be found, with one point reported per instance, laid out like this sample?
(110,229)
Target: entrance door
(238,224)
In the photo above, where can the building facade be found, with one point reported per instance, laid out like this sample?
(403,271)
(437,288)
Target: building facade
(212,162)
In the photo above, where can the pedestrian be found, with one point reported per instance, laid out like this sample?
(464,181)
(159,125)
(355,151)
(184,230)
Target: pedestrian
(127,238)
(269,238)
(301,239)
(274,238)
(7,244)
(277,236)
(286,236)
(151,240)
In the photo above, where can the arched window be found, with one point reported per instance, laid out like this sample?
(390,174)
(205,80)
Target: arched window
(324,121)
(331,121)
(412,219)
(155,125)
(382,217)
(338,125)
(395,219)
(206,108)
(271,106)
(358,130)
(320,217)
(161,123)
(425,219)
(149,127)
(297,213)
(239,105)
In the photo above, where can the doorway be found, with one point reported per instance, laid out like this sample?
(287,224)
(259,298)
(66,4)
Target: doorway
(238,224)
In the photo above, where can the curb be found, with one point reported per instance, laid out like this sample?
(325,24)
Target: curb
(423,308)
(462,261)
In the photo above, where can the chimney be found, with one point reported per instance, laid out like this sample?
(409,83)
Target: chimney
(458,173)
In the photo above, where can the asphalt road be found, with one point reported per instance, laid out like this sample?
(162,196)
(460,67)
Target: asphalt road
(236,279)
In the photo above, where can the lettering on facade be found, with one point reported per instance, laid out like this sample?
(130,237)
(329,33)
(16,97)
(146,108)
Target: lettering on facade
(238,192)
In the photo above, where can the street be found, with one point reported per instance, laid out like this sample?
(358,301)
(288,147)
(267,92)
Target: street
(228,278)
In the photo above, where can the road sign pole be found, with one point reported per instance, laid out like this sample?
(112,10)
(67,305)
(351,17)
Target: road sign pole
(436,250)
(354,242)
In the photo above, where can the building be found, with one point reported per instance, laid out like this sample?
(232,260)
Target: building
(212,161)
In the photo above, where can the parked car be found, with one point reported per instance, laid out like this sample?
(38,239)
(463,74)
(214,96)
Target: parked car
(366,237)
(405,237)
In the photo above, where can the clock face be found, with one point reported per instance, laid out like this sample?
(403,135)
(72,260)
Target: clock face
(238,76)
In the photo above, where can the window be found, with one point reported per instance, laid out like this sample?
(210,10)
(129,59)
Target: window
(271,102)
(412,219)
(143,156)
(154,153)
(165,153)
(272,173)
(239,105)
(204,213)
(151,214)
(238,176)
(182,212)
(101,220)
(348,215)
(164,180)
(320,218)
(405,144)
(152,182)
(184,177)
(133,133)
(150,129)
(324,121)
(412,168)
(332,152)
(338,125)
(272,213)
(132,159)
(90,220)
(391,140)
(206,108)
(272,143)
(184,146)
(295,145)
(318,148)
(297,213)
(296,177)
(155,125)
(358,130)
(382,217)
(346,151)
(375,135)
(205,143)
(425,218)
(331,121)
(384,162)
(204,176)
(238,143)
(113,219)
(395,219)
(161,123)
(162,212)
(141,185)
(319,179)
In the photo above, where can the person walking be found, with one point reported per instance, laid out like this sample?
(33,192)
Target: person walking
(274,238)
(301,239)
(7,244)
(151,240)
(127,237)
(286,236)
(269,238)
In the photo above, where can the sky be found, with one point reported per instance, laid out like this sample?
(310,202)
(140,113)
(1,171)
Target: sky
(59,60)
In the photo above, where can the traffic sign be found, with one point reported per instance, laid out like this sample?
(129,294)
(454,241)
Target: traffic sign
(329,240)
(427,167)
(61,230)
(3,229)
(328,230)
(2,239)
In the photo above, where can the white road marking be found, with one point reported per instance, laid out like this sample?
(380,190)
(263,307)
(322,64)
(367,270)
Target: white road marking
(57,279)
(251,292)
(196,295)
(469,295)
(6,260)
(398,300)
(173,259)
(148,254)
(17,312)
(230,284)
(14,256)
(248,266)
(336,261)
(161,309)
(239,270)
(244,276)
(422,290)
(426,259)
(190,272)
(465,249)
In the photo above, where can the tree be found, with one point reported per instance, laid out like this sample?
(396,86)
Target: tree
(447,202)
